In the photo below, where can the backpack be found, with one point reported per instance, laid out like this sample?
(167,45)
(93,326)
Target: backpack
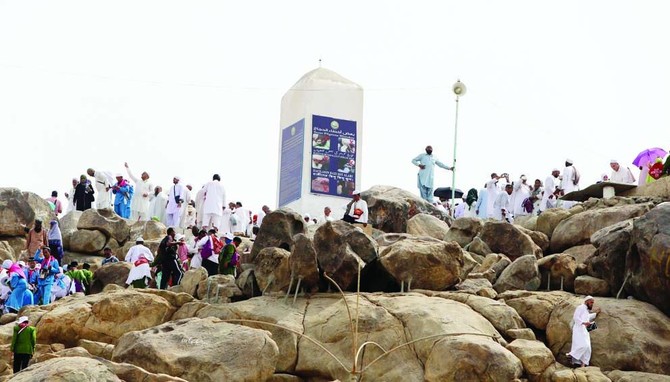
(217,245)
(206,250)
(575,176)
(235,260)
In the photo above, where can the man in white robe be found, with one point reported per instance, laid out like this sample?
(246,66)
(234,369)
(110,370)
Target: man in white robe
(184,218)
(139,205)
(265,210)
(358,211)
(199,208)
(550,185)
(226,219)
(141,257)
(243,217)
(157,205)
(70,195)
(580,350)
(214,201)
(570,182)
(327,215)
(501,206)
(175,203)
(620,174)
(491,194)
(521,192)
(102,186)
(482,204)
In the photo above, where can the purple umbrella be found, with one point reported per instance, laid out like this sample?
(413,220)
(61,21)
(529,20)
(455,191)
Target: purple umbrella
(649,156)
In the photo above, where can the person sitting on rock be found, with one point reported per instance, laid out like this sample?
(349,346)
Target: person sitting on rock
(140,256)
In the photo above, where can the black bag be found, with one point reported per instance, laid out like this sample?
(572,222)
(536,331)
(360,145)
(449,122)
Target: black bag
(592,327)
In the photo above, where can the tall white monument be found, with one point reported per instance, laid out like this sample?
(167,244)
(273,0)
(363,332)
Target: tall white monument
(320,142)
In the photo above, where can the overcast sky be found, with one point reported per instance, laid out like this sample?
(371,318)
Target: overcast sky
(193,88)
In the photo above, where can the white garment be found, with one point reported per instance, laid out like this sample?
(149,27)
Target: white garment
(157,207)
(581,340)
(225,225)
(139,205)
(196,260)
(242,215)
(172,206)
(199,206)
(102,198)
(214,198)
(328,218)
(138,251)
(363,206)
(492,193)
(501,210)
(549,188)
(567,183)
(622,176)
(70,201)
(521,192)
(261,216)
(644,172)
(184,216)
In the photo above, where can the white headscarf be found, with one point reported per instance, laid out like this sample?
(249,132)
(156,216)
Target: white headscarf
(54,231)
(587,298)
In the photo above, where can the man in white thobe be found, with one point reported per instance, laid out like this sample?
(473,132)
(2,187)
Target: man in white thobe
(550,185)
(226,219)
(102,187)
(570,181)
(521,192)
(184,218)
(175,203)
(214,201)
(482,203)
(141,257)
(243,217)
(70,195)
(491,194)
(139,205)
(620,174)
(580,351)
(157,205)
(426,163)
(327,215)
(501,206)
(199,208)
(358,211)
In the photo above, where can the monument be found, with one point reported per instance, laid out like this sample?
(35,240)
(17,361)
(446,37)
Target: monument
(320,142)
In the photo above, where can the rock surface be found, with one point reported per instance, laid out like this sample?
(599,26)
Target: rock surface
(85,241)
(427,225)
(67,369)
(115,273)
(463,230)
(272,270)
(20,209)
(277,231)
(522,274)
(558,269)
(507,239)
(105,221)
(335,255)
(591,286)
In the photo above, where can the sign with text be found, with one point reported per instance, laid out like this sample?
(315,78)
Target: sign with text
(333,156)
(290,175)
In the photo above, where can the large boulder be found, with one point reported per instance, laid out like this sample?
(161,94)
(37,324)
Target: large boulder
(534,307)
(149,230)
(631,335)
(427,225)
(463,230)
(219,289)
(548,220)
(538,238)
(581,252)
(20,209)
(85,241)
(649,260)
(506,238)
(636,376)
(303,264)
(272,270)
(491,267)
(68,225)
(477,246)
(335,255)
(6,251)
(114,273)
(426,264)
(502,316)
(102,317)
(534,356)
(107,222)
(578,228)
(390,208)
(559,270)
(67,369)
(522,274)
(201,350)
(192,278)
(609,260)
(591,286)
(277,230)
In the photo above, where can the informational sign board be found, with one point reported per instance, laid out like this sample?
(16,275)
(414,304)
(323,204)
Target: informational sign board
(290,175)
(333,158)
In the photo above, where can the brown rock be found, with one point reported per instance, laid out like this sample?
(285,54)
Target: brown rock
(549,219)
(538,238)
(98,349)
(272,270)
(148,230)
(191,280)
(534,307)
(609,260)
(636,376)
(219,289)
(581,252)
(105,221)
(478,247)
(20,209)
(335,256)
(115,273)
(277,230)
(302,263)
(492,266)
(521,333)
(84,241)
(425,264)
(464,230)
(587,285)
(427,225)
(523,273)
(507,239)
(68,225)
(534,356)
(561,268)
(67,369)
(6,251)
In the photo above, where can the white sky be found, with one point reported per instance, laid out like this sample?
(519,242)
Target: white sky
(194,88)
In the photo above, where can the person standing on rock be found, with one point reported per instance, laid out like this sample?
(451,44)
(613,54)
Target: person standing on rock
(48,271)
(140,256)
(214,201)
(426,163)
(70,196)
(139,206)
(550,186)
(482,203)
(24,340)
(501,206)
(56,241)
(520,193)
(491,194)
(582,319)
(102,185)
(229,259)
(123,195)
(36,238)
(175,203)
(83,194)
(168,260)
(157,205)
(570,181)
(54,203)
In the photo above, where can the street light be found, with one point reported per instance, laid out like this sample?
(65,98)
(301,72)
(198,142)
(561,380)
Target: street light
(459,89)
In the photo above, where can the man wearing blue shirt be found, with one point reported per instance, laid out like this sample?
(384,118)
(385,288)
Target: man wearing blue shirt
(426,163)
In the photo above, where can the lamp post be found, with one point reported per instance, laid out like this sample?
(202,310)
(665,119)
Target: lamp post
(459,89)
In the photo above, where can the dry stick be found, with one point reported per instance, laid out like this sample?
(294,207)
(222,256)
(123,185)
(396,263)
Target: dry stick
(297,288)
(358,309)
(294,332)
(288,292)
(622,285)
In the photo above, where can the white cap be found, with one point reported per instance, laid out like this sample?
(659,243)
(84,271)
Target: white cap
(356,192)
(7,264)
(555,169)
(612,161)
(587,298)
(22,263)
(177,177)
(306,216)
(140,238)
(523,177)
(229,236)
(179,237)
(569,161)
(22,319)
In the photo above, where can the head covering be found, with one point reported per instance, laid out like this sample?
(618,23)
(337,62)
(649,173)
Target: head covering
(15,268)
(569,161)
(555,170)
(54,231)
(613,161)
(82,177)
(587,298)
(38,266)
(22,319)
(22,263)
(523,177)
(177,177)
(140,239)
(306,216)
(7,264)
(179,237)
(356,192)
(118,175)
(472,197)
(228,236)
